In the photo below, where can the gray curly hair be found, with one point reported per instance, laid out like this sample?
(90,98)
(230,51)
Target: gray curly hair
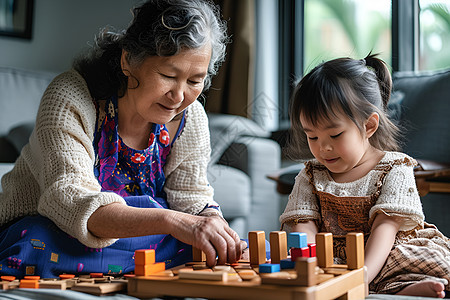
(158,28)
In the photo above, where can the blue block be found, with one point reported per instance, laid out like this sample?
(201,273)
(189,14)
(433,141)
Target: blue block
(297,240)
(287,264)
(269,268)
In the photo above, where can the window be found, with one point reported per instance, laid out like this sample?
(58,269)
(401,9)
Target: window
(434,20)
(408,35)
(337,28)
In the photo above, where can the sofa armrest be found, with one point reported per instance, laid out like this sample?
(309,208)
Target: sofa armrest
(264,157)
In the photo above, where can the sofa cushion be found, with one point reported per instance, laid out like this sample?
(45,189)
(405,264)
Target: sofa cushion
(231,190)
(20,95)
(424,115)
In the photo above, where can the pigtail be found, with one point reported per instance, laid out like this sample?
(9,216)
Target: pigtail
(383,76)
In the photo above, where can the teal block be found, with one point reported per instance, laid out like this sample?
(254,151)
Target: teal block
(269,268)
(297,240)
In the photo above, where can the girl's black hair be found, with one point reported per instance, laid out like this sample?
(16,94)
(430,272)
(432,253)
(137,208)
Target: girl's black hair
(356,88)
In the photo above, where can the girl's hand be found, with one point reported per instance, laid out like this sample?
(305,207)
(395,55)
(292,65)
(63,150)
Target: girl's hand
(212,235)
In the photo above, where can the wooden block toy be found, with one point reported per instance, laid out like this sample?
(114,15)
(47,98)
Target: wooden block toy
(100,288)
(146,270)
(297,240)
(53,284)
(278,246)
(269,268)
(304,280)
(144,256)
(29,284)
(257,247)
(66,276)
(7,278)
(96,275)
(299,252)
(203,275)
(198,255)
(355,250)
(324,249)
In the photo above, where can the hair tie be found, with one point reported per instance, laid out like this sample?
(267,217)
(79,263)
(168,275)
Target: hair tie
(174,28)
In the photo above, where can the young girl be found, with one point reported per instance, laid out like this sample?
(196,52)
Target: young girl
(358,183)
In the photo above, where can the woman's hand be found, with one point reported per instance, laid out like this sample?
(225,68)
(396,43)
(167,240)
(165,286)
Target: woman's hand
(212,235)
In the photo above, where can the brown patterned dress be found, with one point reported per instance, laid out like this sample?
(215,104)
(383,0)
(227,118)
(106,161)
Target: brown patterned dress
(420,251)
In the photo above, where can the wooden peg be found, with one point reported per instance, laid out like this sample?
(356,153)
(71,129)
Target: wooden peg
(355,250)
(324,249)
(257,247)
(278,246)
(198,255)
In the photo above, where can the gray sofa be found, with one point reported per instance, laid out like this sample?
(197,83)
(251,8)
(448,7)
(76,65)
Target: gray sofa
(420,104)
(242,155)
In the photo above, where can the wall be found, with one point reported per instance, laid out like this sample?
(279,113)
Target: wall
(61,29)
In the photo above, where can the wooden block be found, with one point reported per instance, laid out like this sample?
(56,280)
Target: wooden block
(29,284)
(306,270)
(269,268)
(278,246)
(100,288)
(58,284)
(144,256)
(7,278)
(247,274)
(257,247)
(4,285)
(163,274)
(355,250)
(200,267)
(297,240)
(324,249)
(222,268)
(202,275)
(86,280)
(312,249)
(305,274)
(96,275)
(287,264)
(146,270)
(299,252)
(30,277)
(198,255)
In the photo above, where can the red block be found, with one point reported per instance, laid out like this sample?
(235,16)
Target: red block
(312,250)
(299,252)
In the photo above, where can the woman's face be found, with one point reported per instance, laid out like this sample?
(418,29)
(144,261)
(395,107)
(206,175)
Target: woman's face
(162,87)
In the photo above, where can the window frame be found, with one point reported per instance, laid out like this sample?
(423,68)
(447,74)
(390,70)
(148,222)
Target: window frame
(405,45)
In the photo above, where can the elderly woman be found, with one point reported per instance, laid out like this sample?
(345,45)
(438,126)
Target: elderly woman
(118,158)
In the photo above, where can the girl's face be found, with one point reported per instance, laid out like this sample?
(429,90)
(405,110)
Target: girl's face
(337,144)
(162,87)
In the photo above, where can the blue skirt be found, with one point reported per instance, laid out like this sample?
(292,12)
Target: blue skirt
(34,245)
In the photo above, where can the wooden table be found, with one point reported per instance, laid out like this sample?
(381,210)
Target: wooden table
(431,177)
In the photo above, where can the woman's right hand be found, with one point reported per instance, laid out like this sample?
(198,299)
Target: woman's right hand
(211,234)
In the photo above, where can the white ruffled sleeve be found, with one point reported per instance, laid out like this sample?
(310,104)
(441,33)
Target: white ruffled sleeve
(302,204)
(399,195)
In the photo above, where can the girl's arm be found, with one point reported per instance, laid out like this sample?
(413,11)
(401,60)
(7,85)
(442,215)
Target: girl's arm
(380,242)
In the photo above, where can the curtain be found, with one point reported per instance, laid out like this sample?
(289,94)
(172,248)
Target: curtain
(231,90)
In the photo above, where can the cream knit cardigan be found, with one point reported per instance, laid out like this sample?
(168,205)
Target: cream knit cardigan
(54,175)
